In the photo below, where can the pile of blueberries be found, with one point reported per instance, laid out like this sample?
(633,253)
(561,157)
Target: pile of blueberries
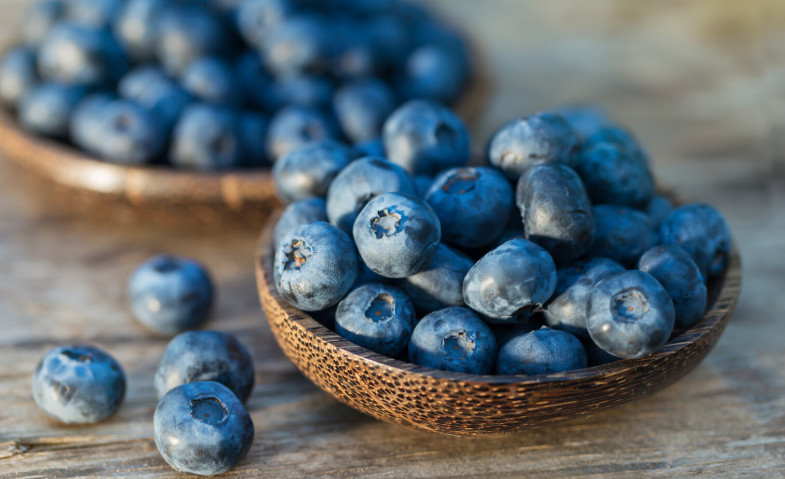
(219,84)
(200,424)
(553,252)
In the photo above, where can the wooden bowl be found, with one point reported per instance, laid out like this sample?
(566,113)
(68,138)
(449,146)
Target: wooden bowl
(470,405)
(166,196)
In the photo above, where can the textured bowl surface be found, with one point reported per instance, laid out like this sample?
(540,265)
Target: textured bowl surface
(470,405)
(161,195)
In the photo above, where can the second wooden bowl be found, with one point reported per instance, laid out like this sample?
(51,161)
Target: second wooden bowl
(470,405)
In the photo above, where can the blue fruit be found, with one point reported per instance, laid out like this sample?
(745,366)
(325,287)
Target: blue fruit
(81,55)
(18,75)
(136,27)
(425,137)
(567,308)
(307,171)
(252,130)
(658,209)
(299,213)
(396,234)
(78,384)
(556,211)
(298,45)
(622,138)
(515,278)
(86,123)
(213,80)
(38,20)
(362,106)
(46,110)
(374,147)
(315,265)
(472,203)
(585,120)
(206,138)
(630,315)
(440,284)
(453,339)
(377,317)
(256,18)
(303,90)
(170,294)
(541,352)
(435,72)
(130,134)
(613,175)
(202,428)
(186,32)
(358,183)
(206,356)
(294,126)
(94,13)
(422,184)
(622,234)
(256,82)
(151,88)
(540,138)
(506,332)
(596,356)
(703,233)
(355,52)
(679,275)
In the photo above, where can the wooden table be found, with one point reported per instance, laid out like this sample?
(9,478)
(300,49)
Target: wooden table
(703,84)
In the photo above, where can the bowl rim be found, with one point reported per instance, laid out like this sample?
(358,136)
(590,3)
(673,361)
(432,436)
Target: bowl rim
(712,322)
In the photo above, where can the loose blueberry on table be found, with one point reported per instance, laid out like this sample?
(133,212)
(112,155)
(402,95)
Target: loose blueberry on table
(543,268)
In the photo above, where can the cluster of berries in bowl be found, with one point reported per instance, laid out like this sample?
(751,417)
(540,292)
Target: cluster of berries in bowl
(551,253)
(220,85)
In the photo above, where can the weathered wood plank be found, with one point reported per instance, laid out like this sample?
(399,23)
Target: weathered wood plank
(703,84)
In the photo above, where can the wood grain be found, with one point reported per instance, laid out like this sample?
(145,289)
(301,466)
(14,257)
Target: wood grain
(701,82)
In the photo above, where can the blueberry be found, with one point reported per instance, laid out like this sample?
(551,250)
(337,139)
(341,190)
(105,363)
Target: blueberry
(392,36)
(303,90)
(540,138)
(556,211)
(362,180)
(506,332)
(629,315)
(256,18)
(622,138)
(78,384)
(453,339)
(315,265)
(86,123)
(202,428)
(681,278)
(206,138)
(130,134)
(366,276)
(703,233)
(18,75)
(95,13)
(39,19)
(567,308)
(187,32)
(307,171)
(658,209)
(425,137)
(46,110)
(295,126)
(440,284)
(362,107)
(473,204)
(298,45)
(151,88)
(252,131)
(356,54)
(255,82)
(586,120)
(299,213)
(206,356)
(170,294)
(612,175)
(213,80)
(377,317)
(622,234)
(422,185)
(436,72)
(81,55)
(541,352)
(517,277)
(397,234)
(136,27)
(596,356)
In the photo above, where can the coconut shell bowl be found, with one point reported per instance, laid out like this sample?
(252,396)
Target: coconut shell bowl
(462,404)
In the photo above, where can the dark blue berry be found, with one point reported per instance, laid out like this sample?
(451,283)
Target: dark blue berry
(440,284)
(214,80)
(46,110)
(622,234)
(256,18)
(362,107)
(303,90)
(703,233)
(298,45)
(622,138)
(38,20)
(307,171)
(151,88)
(585,120)
(94,13)
(18,75)
(435,72)
(170,294)
(612,175)
(78,384)
(293,127)
(300,213)
(253,128)
(658,209)
(136,27)
(206,138)
(130,134)
(86,123)
(256,82)
(541,352)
